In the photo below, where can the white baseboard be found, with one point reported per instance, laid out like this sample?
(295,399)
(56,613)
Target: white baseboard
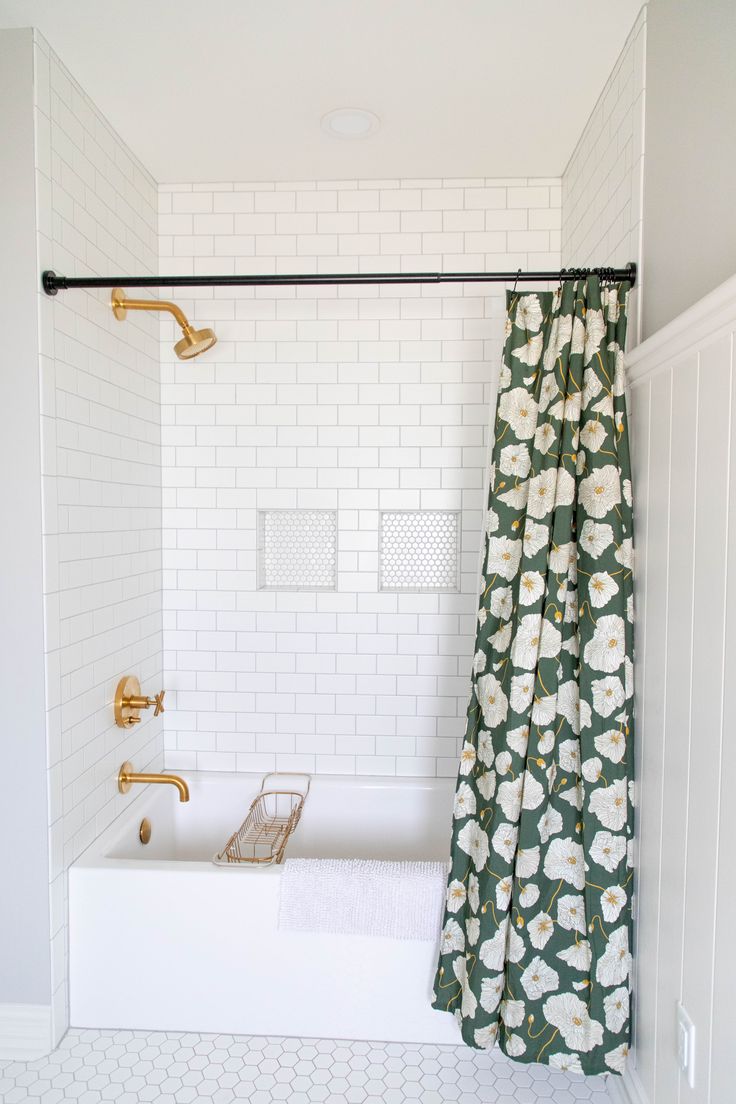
(25,1031)
(627,1089)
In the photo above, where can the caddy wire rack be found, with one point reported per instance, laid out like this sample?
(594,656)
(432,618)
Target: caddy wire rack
(273,815)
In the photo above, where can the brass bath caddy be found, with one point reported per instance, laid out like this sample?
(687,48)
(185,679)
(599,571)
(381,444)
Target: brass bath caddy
(272,817)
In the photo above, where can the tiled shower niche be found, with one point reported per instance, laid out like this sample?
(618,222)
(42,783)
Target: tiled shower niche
(297,549)
(420,550)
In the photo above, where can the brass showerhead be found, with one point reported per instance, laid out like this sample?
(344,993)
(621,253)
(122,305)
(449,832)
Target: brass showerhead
(191,344)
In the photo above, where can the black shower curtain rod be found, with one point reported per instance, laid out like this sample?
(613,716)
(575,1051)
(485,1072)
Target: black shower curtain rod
(53,283)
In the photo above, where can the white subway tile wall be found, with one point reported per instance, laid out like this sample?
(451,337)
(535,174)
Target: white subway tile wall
(602,185)
(101,474)
(349,399)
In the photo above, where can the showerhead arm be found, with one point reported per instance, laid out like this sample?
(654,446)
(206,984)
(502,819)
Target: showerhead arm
(121,305)
(192,343)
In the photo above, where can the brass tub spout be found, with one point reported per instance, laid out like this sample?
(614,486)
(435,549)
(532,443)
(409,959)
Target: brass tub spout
(127,776)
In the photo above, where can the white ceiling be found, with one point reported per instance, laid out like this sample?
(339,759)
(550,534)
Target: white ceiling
(222,90)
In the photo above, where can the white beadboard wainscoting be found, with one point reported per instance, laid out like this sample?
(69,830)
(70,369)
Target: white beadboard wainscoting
(681,394)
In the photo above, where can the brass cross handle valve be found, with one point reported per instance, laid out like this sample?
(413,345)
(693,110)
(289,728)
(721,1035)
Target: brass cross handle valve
(129,701)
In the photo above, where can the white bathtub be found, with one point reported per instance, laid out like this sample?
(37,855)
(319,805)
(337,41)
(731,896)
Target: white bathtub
(162,939)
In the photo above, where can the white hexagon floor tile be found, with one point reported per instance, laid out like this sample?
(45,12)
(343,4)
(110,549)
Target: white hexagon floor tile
(133,1067)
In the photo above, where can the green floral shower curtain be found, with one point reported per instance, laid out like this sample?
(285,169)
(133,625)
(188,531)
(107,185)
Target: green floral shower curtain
(535,947)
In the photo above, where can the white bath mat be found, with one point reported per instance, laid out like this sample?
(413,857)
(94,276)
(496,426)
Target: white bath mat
(399,900)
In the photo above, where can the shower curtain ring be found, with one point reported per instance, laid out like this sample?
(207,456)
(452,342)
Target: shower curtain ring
(518,274)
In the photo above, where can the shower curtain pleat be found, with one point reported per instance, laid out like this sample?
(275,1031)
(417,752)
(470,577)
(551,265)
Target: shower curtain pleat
(535,947)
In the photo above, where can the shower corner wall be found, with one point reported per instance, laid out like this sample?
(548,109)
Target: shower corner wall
(101,475)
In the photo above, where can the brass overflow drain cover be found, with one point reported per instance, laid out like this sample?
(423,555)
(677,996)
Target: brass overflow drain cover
(144,832)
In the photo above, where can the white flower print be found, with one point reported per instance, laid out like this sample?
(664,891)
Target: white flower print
(613,900)
(485,1037)
(573,796)
(515,1046)
(568,1063)
(628,677)
(528,895)
(521,693)
(595,331)
(503,894)
(559,337)
(472,930)
(564,859)
(608,803)
(525,649)
(456,895)
(570,1015)
(512,1012)
(528,313)
(540,930)
(492,700)
(592,435)
(600,491)
(518,407)
(595,537)
(543,712)
(517,497)
(467,757)
(549,390)
(532,794)
(568,755)
(486,784)
(503,842)
(568,704)
(539,978)
(608,851)
(482,612)
(474,842)
(529,354)
(616,1059)
(491,990)
(615,963)
(485,748)
(626,490)
(469,1003)
(473,892)
(503,762)
(608,694)
(504,556)
(547,739)
(562,560)
(492,952)
(492,521)
(616,1008)
(601,588)
(571,913)
(544,438)
(464,801)
(592,769)
(625,553)
(565,488)
(527,862)
(612,744)
(515,460)
(479,661)
(501,639)
(604,406)
(452,938)
(518,739)
(578,955)
(509,798)
(550,823)
(536,537)
(502,602)
(531,587)
(606,648)
(542,490)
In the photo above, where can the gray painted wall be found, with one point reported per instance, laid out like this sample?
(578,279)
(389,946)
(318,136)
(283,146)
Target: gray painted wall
(24,900)
(689,225)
